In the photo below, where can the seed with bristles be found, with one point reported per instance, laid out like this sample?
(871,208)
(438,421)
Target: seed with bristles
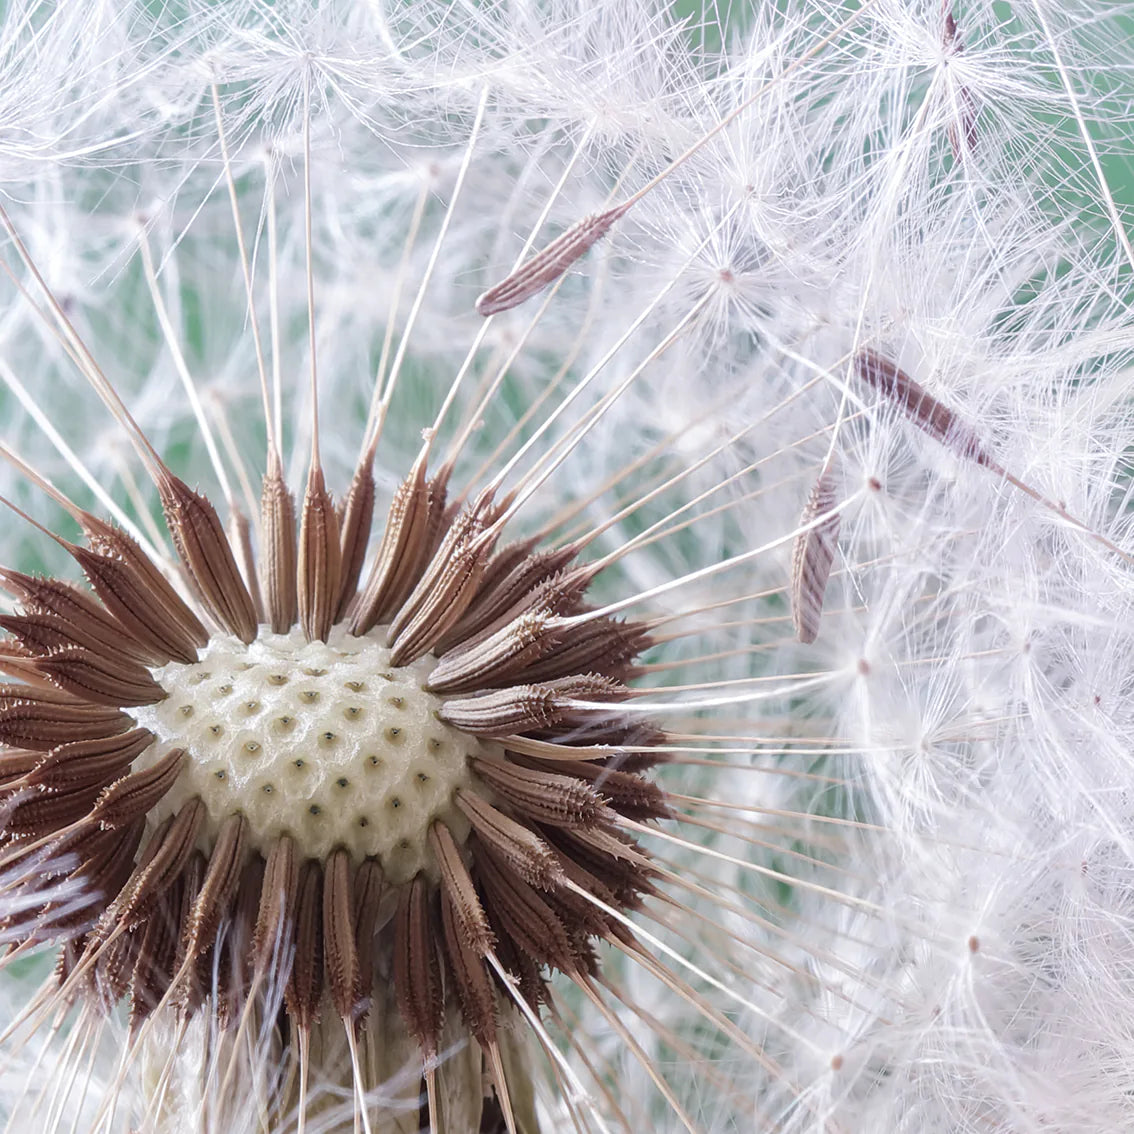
(254,802)
(921,407)
(417,970)
(342,811)
(339,943)
(563,801)
(962,128)
(812,555)
(320,559)
(139,597)
(549,264)
(404,545)
(304,991)
(354,528)
(204,549)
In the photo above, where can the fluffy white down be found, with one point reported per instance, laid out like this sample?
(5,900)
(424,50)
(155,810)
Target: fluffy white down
(956,751)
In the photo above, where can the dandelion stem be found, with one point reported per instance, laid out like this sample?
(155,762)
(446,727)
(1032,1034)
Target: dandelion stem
(275,418)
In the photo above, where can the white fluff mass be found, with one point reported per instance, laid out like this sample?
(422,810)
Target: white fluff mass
(948,185)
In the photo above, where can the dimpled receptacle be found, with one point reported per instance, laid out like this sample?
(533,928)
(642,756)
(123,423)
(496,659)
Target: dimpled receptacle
(326,741)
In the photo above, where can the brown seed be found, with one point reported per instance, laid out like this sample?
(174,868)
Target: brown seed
(355,524)
(204,550)
(110,978)
(278,565)
(446,587)
(36,633)
(549,264)
(369,886)
(613,868)
(527,972)
(457,886)
(963,125)
(153,969)
(100,679)
(162,861)
(812,556)
(417,972)
(234,964)
(108,862)
(218,887)
(509,578)
(611,846)
(240,537)
(524,851)
(16,662)
(36,815)
(498,658)
(320,559)
(187,965)
(146,613)
(88,761)
(628,794)
(44,693)
(439,512)
(401,554)
(542,796)
(921,407)
(134,795)
(340,950)
(113,544)
(104,860)
(34,724)
(16,763)
(275,921)
(600,645)
(30,861)
(949,30)
(523,708)
(81,618)
(305,984)
(517,638)
(522,915)
(467,970)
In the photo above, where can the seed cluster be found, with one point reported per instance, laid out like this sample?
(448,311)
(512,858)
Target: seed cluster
(322,788)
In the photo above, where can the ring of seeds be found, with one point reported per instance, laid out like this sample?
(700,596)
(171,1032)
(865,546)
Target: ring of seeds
(334,780)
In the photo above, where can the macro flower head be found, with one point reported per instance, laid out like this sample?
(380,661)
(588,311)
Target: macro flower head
(562,577)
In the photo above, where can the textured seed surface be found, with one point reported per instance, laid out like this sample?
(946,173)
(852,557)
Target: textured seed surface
(326,741)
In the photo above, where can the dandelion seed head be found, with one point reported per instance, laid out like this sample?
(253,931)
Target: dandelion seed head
(795,845)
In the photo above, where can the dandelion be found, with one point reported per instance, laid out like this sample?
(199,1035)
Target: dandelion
(529,750)
(316,816)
